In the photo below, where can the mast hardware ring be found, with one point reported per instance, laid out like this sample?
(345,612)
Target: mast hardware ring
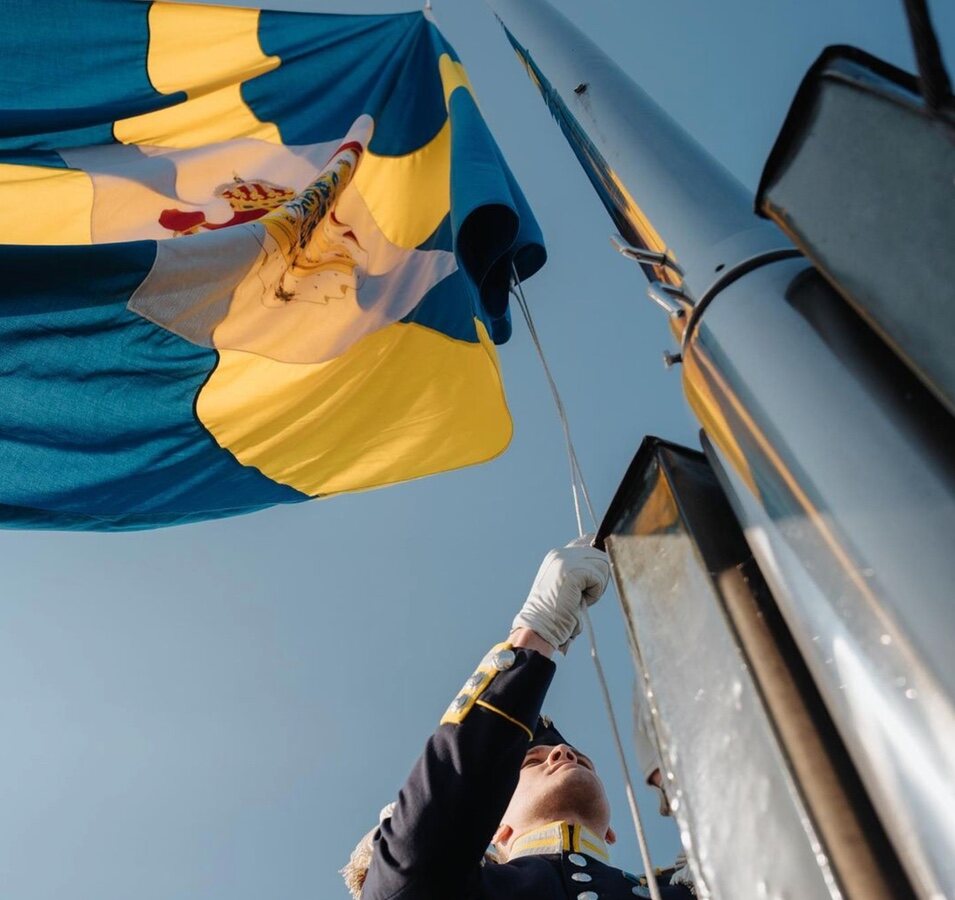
(734,273)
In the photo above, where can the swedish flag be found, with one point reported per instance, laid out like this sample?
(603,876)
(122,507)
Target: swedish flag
(247,258)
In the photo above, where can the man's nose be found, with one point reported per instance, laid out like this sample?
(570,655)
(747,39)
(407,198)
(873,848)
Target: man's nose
(560,753)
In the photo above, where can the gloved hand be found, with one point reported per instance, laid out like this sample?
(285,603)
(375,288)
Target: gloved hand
(568,577)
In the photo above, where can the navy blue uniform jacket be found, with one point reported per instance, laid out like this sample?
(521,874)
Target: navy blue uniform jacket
(446,814)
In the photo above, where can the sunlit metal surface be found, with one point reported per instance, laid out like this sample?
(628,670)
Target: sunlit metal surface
(740,815)
(840,466)
(662,190)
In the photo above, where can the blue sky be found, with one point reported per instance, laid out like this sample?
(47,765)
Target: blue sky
(219,710)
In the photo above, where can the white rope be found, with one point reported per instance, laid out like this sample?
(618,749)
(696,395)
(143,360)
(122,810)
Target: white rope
(579,487)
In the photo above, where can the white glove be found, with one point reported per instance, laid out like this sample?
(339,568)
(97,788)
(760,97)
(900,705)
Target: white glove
(568,577)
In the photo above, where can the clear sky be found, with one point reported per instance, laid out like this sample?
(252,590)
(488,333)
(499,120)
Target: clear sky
(220,710)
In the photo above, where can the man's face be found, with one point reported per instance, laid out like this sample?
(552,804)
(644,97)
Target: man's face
(558,783)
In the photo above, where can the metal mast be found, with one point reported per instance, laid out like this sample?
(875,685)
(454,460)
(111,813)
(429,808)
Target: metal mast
(835,459)
(683,213)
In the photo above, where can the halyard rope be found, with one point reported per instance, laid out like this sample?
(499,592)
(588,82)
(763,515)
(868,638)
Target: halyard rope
(579,488)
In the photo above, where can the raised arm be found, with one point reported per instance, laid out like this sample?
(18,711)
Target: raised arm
(450,806)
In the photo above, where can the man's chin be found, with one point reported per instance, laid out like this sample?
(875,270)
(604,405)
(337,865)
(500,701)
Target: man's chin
(572,793)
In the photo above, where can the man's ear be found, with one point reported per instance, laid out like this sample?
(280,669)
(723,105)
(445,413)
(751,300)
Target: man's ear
(611,836)
(503,834)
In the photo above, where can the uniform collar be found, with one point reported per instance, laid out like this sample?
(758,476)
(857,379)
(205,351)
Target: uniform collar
(559,837)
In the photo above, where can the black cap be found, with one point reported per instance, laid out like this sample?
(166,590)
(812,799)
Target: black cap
(546,735)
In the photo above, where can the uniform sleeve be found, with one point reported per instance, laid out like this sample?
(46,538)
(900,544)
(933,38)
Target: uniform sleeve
(451,804)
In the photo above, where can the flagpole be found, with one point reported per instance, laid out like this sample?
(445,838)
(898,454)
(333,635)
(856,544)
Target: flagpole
(664,192)
(836,459)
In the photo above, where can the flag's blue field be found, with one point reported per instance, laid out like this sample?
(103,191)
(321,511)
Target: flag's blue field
(247,258)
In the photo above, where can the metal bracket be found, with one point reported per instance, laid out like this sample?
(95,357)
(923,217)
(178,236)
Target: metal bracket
(642,255)
(665,296)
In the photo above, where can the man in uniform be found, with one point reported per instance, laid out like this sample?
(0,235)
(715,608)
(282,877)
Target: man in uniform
(495,772)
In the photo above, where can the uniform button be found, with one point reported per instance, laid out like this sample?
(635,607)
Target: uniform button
(459,702)
(581,876)
(474,681)
(503,659)
(577,859)
(587,895)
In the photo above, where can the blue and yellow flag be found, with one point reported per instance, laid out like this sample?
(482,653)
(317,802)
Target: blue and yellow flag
(247,258)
